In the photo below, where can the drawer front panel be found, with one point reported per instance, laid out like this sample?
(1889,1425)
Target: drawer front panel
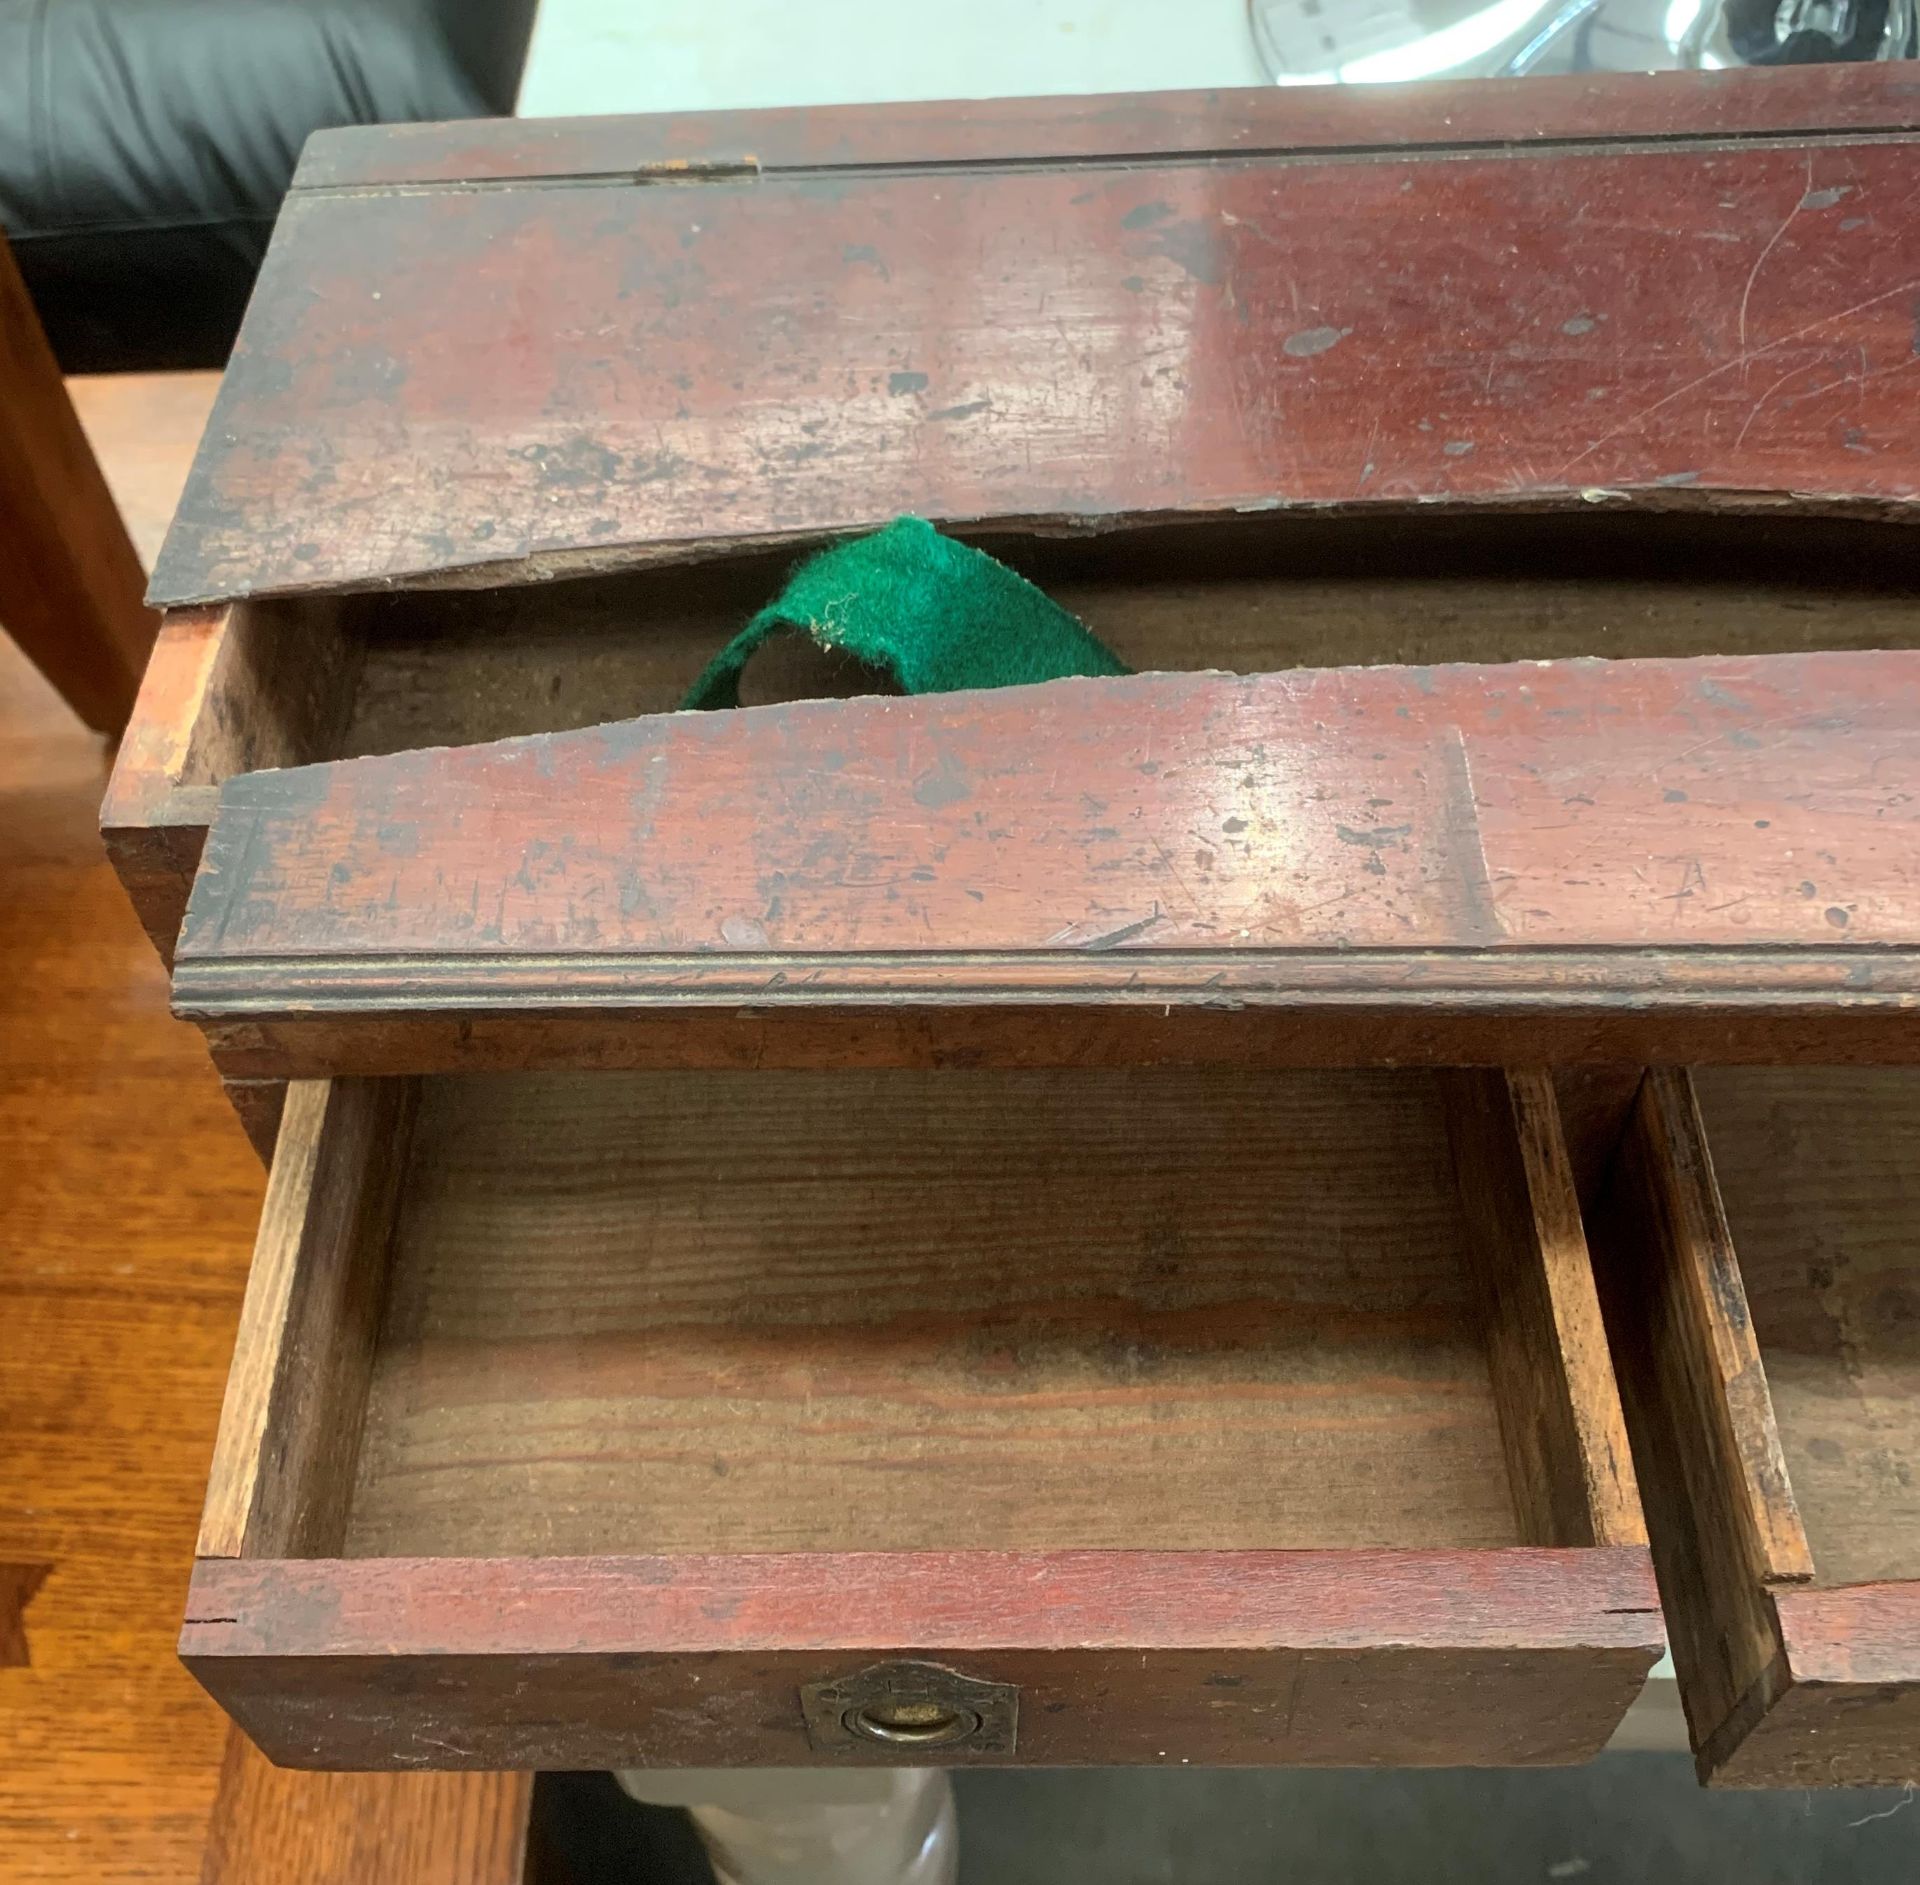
(1313,1658)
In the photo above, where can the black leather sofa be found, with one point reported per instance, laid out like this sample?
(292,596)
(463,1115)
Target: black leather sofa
(145,145)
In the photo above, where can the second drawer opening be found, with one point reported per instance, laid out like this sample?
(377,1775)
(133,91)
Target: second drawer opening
(1821,1186)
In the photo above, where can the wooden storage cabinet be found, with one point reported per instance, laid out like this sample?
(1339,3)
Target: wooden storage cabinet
(1044,1411)
(1760,1242)
(1107,1415)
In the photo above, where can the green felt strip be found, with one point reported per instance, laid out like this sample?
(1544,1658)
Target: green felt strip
(934,614)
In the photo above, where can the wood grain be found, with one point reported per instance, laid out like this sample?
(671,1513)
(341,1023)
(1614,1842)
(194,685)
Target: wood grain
(1861,1635)
(1595,1103)
(283,1465)
(18,1583)
(1720,1509)
(1794,1608)
(1712,857)
(144,429)
(272,1827)
(258,1104)
(153,824)
(1110,1384)
(227,689)
(774,355)
(70,580)
(1503,1657)
(1852,1715)
(1821,1177)
(1566,1440)
(764,1312)
(130,1205)
(1586,107)
(130,1199)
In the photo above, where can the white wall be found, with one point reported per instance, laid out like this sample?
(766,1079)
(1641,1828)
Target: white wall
(694,55)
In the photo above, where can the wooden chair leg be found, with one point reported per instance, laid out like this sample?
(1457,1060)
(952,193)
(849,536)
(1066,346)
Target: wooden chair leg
(70,580)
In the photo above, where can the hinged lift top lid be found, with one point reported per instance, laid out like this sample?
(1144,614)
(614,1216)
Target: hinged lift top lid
(496,352)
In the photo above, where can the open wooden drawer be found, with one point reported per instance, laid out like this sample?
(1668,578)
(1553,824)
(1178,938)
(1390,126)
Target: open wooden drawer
(290,681)
(1213,368)
(1761,1249)
(1109,1415)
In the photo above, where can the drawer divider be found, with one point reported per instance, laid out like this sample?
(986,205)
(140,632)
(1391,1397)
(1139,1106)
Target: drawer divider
(1560,1419)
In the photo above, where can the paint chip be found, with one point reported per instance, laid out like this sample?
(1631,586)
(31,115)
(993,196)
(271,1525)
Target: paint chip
(1312,340)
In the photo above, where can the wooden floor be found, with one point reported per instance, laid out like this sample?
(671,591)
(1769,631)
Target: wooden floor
(129,1195)
(127,1205)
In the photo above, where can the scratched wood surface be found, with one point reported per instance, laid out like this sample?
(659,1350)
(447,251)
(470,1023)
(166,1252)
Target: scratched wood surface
(294,680)
(1613,844)
(1515,1657)
(564,371)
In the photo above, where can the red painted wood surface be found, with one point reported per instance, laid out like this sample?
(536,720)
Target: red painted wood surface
(1843,1706)
(1450,114)
(564,373)
(1866,1634)
(1250,1657)
(1523,1597)
(1568,835)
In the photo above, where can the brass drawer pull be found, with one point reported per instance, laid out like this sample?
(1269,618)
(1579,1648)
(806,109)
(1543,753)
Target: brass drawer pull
(910,1709)
(912,1724)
